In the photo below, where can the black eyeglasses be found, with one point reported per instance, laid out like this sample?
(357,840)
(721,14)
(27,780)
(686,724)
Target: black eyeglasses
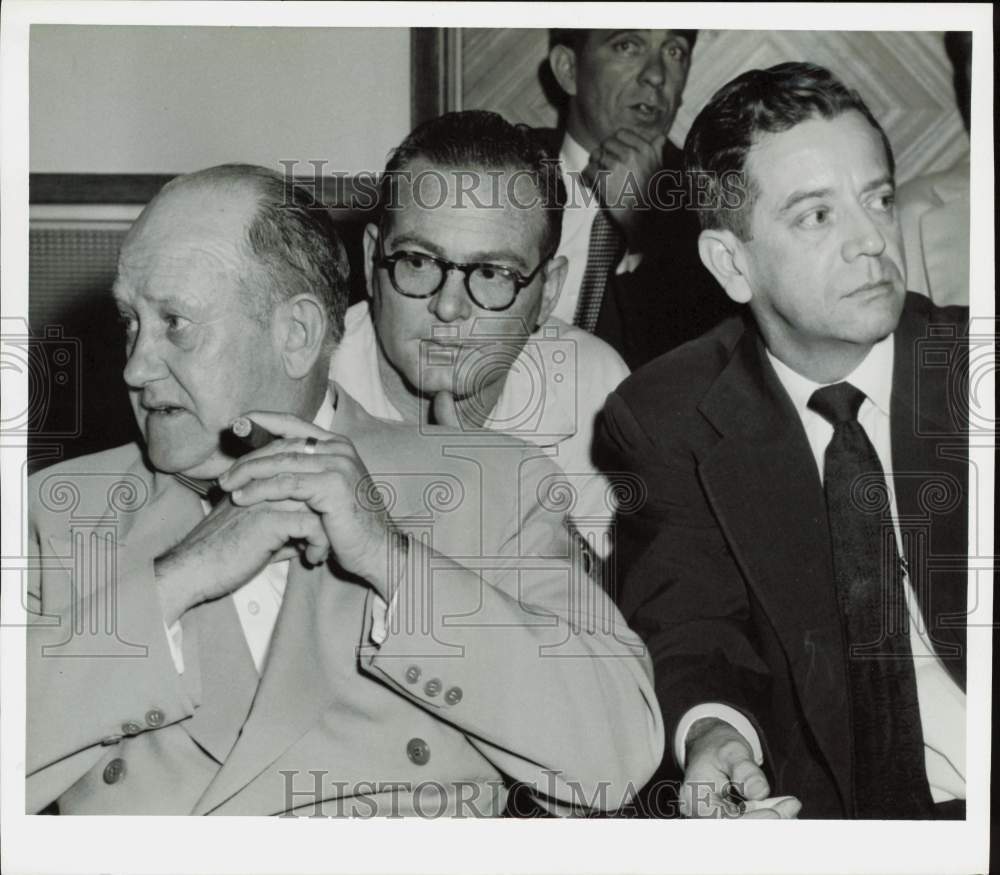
(419,275)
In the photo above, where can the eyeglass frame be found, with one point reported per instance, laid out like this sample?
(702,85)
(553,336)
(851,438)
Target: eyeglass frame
(520,280)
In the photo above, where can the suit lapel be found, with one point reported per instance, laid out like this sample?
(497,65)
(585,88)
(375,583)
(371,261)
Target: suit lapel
(762,482)
(292,694)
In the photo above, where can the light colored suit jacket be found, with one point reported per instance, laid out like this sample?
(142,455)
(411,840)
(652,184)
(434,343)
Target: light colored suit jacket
(528,674)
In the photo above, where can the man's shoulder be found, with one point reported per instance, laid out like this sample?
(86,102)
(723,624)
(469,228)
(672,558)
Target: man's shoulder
(923,318)
(597,361)
(678,380)
(109,472)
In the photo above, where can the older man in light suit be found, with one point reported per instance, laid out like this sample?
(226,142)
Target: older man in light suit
(355,618)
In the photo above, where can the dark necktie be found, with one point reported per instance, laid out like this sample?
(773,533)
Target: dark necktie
(890,777)
(603,253)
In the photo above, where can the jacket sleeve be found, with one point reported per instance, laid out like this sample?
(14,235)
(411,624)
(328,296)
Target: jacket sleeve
(676,581)
(98,661)
(526,655)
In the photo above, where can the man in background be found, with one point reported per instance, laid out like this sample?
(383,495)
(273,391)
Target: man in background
(802,645)
(630,233)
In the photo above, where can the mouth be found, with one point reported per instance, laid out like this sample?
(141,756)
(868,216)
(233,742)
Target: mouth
(875,287)
(164,410)
(647,113)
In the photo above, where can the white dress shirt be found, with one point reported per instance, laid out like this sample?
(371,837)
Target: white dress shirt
(941,701)
(259,600)
(582,207)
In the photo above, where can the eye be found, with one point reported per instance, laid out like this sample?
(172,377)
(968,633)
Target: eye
(128,323)
(677,52)
(884,203)
(817,217)
(494,272)
(627,45)
(176,323)
(416,261)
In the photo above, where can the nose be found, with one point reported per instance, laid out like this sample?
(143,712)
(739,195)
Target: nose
(654,71)
(452,302)
(144,363)
(864,237)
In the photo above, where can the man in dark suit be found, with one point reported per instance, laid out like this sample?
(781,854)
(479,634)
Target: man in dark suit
(634,279)
(805,621)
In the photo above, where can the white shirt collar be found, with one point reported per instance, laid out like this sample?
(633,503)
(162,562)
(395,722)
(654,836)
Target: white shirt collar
(573,156)
(873,376)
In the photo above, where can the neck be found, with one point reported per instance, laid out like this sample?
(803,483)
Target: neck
(578,131)
(826,365)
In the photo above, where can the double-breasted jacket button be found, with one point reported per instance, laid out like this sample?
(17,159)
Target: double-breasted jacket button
(418,751)
(154,717)
(114,771)
(453,696)
(413,674)
(432,687)
(130,727)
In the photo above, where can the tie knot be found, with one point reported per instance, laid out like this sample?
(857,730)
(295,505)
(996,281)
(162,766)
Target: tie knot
(837,403)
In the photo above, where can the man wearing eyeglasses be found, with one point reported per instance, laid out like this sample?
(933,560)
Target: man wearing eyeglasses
(462,281)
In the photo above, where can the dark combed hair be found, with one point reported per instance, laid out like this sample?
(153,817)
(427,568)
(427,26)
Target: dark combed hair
(576,37)
(475,140)
(760,102)
(292,240)
(958,47)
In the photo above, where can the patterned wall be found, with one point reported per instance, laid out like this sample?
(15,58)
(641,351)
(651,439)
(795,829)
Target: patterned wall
(904,77)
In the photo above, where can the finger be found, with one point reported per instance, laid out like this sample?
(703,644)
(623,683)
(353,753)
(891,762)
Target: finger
(615,152)
(700,794)
(761,814)
(287,425)
(289,551)
(291,458)
(784,806)
(283,485)
(445,411)
(750,780)
(659,142)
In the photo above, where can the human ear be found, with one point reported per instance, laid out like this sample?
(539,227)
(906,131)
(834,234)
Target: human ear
(304,328)
(370,243)
(554,275)
(562,62)
(722,252)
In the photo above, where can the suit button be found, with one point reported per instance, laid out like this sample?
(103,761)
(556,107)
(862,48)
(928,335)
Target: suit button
(412,674)
(131,728)
(418,751)
(154,717)
(453,696)
(114,771)
(432,687)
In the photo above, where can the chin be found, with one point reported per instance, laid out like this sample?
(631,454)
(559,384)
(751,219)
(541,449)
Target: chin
(201,466)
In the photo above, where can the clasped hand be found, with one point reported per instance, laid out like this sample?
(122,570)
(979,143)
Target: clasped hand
(292,496)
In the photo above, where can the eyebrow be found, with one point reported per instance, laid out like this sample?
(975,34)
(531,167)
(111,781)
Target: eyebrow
(491,256)
(796,197)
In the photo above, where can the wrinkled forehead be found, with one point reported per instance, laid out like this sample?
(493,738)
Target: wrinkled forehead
(655,37)
(182,236)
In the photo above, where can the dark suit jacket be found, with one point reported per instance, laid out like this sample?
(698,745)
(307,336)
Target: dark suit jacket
(671,297)
(726,569)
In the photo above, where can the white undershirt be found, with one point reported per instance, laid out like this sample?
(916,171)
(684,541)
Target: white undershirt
(941,701)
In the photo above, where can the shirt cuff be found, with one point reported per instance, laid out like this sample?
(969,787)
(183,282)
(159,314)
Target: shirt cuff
(630,261)
(175,638)
(722,712)
(381,614)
